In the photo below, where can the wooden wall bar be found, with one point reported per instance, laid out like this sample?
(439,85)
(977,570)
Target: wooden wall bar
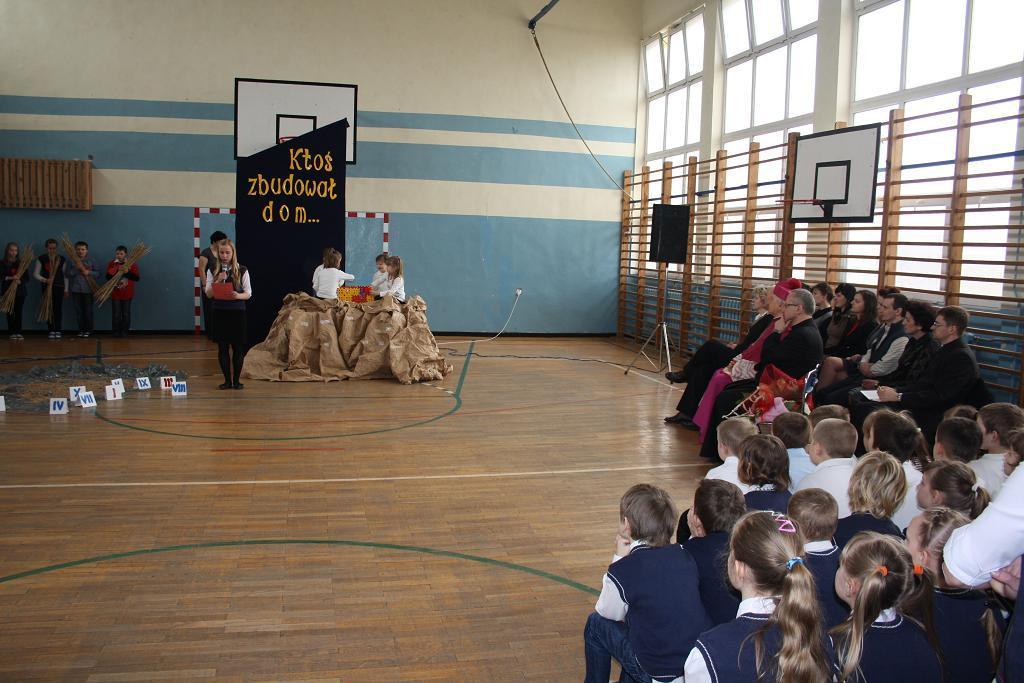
(45,184)
(950,231)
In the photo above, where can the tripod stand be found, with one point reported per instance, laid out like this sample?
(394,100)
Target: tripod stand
(663,347)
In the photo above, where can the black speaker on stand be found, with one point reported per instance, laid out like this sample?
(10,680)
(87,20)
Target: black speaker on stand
(670,233)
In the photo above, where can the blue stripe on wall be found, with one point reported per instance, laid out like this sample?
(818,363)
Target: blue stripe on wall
(213,153)
(71,106)
(487,124)
(85,106)
(465,267)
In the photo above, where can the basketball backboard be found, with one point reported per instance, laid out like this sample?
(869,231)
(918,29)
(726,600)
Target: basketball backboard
(268,112)
(835,176)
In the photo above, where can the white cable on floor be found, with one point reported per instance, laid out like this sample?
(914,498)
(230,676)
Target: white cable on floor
(507,321)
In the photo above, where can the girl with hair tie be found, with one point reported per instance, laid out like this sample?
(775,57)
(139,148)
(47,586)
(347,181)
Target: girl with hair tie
(777,634)
(229,311)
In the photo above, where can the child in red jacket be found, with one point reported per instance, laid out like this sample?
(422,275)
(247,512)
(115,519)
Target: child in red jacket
(121,299)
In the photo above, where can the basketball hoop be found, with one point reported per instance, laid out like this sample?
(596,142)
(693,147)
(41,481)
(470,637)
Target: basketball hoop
(826,205)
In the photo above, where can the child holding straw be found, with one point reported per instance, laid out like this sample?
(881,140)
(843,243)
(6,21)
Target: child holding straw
(49,272)
(14,276)
(124,291)
(81,276)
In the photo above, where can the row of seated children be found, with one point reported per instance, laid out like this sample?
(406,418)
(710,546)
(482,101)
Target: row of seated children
(387,279)
(796,565)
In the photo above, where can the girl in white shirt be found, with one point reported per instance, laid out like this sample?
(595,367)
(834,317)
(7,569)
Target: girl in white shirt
(380,276)
(395,283)
(327,278)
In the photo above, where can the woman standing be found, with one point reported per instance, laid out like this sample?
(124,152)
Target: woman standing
(9,272)
(228,308)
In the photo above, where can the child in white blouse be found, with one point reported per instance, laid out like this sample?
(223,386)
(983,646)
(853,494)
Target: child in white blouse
(327,279)
(380,275)
(395,283)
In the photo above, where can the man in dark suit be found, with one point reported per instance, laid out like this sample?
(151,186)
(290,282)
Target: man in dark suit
(795,348)
(951,376)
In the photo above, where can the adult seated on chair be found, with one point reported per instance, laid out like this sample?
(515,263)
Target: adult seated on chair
(885,348)
(860,324)
(743,366)
(823,296)
(714,355)
(794,348)
(833,326)
(950,378)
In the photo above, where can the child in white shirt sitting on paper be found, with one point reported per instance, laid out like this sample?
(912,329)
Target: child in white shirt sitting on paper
(327,279)
(380,276)
(395,283)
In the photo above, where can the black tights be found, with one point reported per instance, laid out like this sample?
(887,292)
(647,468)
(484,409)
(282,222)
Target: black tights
(231,365)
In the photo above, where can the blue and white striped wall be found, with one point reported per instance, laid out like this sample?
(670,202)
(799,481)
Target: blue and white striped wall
(491,192)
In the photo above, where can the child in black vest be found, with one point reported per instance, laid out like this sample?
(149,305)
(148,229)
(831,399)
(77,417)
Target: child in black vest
(717,505)
(888,637)
(229,311)
(877,489)
(969,633)
(649,612)
(777,634)
(764,468)
(816,512)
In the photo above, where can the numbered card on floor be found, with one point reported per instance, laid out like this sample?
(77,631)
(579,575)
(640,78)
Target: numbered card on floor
(119,383)
(166,383)
(179,389)
(59,406)
(142,384)
(113,392)
(74,393)
(87,400)
(3,405)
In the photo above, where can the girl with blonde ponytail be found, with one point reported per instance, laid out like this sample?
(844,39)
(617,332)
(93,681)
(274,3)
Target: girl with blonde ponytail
(777,634)
(969,634)
(888,636)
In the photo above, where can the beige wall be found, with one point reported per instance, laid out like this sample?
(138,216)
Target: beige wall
(473,57)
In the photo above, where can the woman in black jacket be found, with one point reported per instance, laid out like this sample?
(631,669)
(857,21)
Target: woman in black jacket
(861,323)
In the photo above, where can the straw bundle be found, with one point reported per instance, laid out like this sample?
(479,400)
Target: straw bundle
(46,304)
(7,302)
(69,249)
(104,292)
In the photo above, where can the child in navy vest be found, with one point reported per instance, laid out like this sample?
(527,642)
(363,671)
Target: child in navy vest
(816,512)
(717,505)
(764,468)
(968,630)
(228,312)
(877,489)
(777,634)
(649,613)
(888,637)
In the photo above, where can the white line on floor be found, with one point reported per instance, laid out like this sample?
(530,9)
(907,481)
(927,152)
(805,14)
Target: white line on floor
(412,477)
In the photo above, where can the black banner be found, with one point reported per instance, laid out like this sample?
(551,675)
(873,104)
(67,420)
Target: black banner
(290,203)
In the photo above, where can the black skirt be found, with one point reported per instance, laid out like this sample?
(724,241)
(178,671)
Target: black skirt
(229,326)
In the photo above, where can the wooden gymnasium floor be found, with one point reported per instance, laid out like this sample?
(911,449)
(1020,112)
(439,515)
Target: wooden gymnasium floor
(351,531)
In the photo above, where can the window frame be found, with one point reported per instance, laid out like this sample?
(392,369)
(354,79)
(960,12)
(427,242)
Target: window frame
(668,88)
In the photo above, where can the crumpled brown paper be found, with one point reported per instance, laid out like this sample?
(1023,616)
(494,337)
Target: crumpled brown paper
(317,340)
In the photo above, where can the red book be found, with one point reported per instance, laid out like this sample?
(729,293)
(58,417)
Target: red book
(223,290)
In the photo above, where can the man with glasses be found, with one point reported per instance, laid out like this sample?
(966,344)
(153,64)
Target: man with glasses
(951,377)
(795,348)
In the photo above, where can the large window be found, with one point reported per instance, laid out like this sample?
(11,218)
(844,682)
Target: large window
(920,55)
(674,65)
(770,49)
